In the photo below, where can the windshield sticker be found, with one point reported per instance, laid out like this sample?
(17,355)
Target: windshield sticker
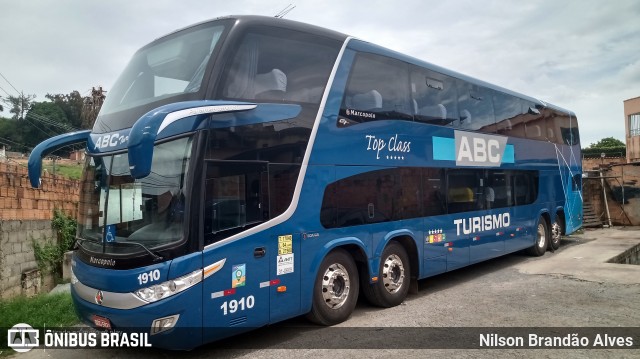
(238,275)
(111,233)
(393,148)
(285,244)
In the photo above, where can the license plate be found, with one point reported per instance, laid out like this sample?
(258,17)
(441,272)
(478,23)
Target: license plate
(101,322)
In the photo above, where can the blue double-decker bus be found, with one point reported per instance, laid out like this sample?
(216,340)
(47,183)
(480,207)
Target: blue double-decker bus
(247,170)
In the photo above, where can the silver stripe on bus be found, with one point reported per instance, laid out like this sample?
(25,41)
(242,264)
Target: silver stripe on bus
(108,299)
(178,115)
(303,168)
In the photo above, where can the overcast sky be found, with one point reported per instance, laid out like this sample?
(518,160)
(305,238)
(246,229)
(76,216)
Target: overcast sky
(583,55)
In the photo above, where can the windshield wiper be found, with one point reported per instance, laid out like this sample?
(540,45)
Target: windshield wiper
(79,241)
(156,257)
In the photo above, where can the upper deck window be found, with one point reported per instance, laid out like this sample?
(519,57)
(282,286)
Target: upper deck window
(273,64)
(172,66)
(378,89)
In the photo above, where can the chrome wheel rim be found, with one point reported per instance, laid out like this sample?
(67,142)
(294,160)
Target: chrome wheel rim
(335,286)
(542,236)
(392,273)
(555,232)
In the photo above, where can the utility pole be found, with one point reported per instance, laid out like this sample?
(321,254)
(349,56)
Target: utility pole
(92,105)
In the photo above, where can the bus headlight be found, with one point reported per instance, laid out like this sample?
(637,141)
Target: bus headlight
(169,288)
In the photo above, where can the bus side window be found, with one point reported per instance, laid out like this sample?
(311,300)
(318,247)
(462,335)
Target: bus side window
(497,189)
(476,108)
(378,86)
(463,191)
(435,98)
(509,118)
(433,195)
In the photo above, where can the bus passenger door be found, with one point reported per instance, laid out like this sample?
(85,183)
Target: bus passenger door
(284,278)
(235,271)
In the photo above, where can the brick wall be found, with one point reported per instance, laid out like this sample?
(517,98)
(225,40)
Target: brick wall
(596,163)
(25,215)
(18,200)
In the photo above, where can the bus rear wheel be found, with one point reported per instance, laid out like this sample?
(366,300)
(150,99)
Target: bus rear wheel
(335,291)
(556,233)
(394,275)
(542,239)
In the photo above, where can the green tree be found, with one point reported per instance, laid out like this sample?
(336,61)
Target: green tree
(44,120)
(19,105)
(71,104)
(611,147)
(607,142)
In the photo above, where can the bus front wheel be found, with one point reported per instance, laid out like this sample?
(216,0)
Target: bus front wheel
(542,239)
(335,291)
(394,275)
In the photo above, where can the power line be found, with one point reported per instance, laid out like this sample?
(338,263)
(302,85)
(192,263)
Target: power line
(48,121)
(3,90)
(19,93)
(7,141)
(41,130)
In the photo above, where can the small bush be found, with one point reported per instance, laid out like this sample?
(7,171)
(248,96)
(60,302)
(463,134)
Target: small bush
(50,254)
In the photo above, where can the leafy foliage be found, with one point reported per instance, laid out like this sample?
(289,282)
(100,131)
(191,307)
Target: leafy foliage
(607,142)
(50,254)
(611,147)
(19,105)
(37,121)
(71,104)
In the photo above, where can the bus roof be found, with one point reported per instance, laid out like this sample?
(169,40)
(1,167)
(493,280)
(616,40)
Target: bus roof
(243,21)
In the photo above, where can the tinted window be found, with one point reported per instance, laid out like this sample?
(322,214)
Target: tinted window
(434,197)
(360,199)
(378,89)
(434,97)
(278,65)
(525,187)
(497,189)
(476,108)
(508,111)
(282,183)
(170,67)
(463,191)
(396,194)
(408,194)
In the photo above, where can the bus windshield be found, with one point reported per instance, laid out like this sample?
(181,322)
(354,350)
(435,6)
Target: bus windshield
(147,211)
(168,68)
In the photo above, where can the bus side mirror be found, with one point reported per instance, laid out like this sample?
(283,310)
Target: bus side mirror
(46,147)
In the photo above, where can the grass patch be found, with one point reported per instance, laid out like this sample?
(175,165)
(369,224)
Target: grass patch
(50,310)
(72,171)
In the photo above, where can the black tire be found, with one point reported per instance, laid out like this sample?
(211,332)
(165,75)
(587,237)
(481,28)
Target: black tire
(394,276)
(542,238)
(335,291)
(556,233)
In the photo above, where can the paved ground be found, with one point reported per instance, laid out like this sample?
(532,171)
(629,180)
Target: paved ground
(572,287)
